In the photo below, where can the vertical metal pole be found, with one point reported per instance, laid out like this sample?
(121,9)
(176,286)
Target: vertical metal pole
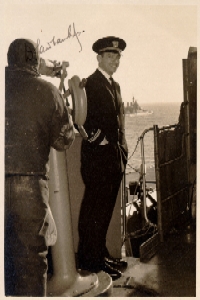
(124,192)
(144,181)
(157,172)
(187,119)
(65,280)
(124,206)
(63,257)
(186,101)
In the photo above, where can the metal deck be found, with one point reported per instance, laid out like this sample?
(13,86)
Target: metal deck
(171,272)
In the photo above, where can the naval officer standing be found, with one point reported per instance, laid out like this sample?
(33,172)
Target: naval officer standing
(103,159)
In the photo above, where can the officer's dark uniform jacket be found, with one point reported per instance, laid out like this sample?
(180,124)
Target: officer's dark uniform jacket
(105,115)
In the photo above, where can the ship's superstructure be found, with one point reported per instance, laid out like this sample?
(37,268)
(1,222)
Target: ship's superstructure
(133,109)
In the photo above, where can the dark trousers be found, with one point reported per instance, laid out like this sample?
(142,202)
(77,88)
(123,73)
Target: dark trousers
(26,225)
(101,172)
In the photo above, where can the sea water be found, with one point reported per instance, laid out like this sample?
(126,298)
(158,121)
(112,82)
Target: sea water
(163,114)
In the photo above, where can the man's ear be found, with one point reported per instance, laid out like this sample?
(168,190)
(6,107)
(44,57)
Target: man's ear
(99,58)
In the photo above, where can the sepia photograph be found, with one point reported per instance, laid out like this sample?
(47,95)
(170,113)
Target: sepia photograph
(99,148)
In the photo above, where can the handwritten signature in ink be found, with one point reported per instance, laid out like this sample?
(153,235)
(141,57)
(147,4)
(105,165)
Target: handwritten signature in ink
(55,41)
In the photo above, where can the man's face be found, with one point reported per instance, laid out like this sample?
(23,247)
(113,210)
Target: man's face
(109,61)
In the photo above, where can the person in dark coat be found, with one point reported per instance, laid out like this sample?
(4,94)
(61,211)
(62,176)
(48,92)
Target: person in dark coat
(103,159)
(36,119)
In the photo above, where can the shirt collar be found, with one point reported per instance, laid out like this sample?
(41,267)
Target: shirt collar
(105,74)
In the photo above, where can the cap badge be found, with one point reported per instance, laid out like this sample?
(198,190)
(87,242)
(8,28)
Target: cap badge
(115,44)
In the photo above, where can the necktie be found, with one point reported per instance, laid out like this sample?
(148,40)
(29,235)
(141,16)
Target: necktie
(112,83)
(114,92)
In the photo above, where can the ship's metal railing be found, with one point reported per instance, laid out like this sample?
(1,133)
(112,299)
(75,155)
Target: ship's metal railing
(171,203)
(146,223)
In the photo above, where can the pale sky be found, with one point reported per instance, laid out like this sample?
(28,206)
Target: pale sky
(158,38)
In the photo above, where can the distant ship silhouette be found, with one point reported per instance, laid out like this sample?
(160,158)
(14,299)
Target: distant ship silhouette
(133,109)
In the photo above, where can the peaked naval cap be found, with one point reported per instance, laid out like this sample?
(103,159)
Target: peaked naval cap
(110,43)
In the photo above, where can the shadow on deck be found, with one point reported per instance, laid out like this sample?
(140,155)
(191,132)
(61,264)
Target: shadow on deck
(171,272)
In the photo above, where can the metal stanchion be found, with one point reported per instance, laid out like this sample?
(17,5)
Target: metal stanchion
(66,281)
